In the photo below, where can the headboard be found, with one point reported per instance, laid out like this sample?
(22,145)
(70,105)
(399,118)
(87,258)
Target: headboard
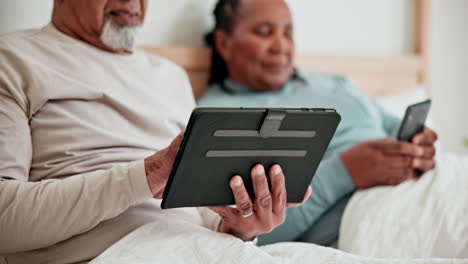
(377,76)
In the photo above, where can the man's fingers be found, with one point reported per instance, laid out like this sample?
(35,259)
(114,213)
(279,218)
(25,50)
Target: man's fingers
(243,201)
(175,144)
(427,137)
(423,164)
(226,213)
(278,190)
(307,194)
(263,200)
(306,197)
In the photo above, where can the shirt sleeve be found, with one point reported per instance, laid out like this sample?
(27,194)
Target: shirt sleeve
(390,123)
(330,184)
(34,215)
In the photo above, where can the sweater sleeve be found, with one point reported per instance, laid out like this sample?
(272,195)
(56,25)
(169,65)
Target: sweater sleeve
(34,215)
(329,185)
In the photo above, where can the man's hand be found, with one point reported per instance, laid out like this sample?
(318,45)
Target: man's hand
(253,218)
(390,162)
(158,167)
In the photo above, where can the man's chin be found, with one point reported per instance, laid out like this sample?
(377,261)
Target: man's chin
(119,37)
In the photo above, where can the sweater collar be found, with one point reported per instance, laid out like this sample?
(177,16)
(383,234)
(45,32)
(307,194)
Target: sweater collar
(235,88)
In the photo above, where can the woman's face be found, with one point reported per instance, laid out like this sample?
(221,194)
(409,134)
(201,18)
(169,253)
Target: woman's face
(259,49)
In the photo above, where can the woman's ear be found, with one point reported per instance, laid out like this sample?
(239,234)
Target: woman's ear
(222,44)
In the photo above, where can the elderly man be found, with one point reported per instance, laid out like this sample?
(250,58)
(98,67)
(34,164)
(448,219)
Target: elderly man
(81,116)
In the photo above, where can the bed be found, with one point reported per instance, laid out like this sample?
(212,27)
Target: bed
(376,222)
(416,222)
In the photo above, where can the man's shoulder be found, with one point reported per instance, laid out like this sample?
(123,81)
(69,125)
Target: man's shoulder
(13,39)
(158,60)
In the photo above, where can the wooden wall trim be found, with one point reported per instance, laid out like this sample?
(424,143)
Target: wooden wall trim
(422,38)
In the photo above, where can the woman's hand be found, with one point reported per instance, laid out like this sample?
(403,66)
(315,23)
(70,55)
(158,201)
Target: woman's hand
(426,139)
(253,218)
(388,161)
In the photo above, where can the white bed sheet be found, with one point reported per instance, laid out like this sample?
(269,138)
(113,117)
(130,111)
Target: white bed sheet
(176,241)
(426,218)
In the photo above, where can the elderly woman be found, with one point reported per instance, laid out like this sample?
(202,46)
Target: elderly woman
(253,54)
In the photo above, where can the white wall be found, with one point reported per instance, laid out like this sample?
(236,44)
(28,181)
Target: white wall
(317,23)
(449,71)
(21,14)
(354,27)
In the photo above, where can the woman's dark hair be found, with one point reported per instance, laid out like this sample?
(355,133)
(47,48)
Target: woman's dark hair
(224,13)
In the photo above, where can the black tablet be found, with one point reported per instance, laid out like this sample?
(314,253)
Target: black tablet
(220,143)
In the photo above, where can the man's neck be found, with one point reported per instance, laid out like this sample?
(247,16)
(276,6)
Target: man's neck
(96,42)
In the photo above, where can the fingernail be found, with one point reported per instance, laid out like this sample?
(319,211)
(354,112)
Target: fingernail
(416,163)
(277,170)
(237,182)
(260,171)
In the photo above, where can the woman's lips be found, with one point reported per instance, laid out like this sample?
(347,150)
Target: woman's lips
(276,67)
(125,18)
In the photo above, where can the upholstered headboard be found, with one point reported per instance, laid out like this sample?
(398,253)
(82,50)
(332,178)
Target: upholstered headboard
(377,76)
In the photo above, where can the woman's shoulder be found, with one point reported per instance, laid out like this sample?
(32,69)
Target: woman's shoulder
(212,96)
(322,80)
(337,86)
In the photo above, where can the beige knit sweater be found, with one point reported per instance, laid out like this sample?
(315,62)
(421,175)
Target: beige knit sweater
(76,123)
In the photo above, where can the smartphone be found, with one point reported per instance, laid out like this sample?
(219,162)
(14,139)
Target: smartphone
(414,120)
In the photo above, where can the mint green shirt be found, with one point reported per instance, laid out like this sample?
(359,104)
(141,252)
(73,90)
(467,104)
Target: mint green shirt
(361,120)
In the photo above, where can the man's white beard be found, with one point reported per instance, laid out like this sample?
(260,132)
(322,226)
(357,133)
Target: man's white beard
(120,37)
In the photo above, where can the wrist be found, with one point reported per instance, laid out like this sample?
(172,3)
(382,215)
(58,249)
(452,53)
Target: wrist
(346,158)
(153,182)
(223,228)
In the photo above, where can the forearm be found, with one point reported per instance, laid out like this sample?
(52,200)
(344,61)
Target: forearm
(37,215)
(331,182)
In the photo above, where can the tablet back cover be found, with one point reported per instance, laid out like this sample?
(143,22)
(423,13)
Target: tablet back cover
(220,143)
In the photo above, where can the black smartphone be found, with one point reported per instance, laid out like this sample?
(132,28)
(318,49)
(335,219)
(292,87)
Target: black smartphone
(414,120)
